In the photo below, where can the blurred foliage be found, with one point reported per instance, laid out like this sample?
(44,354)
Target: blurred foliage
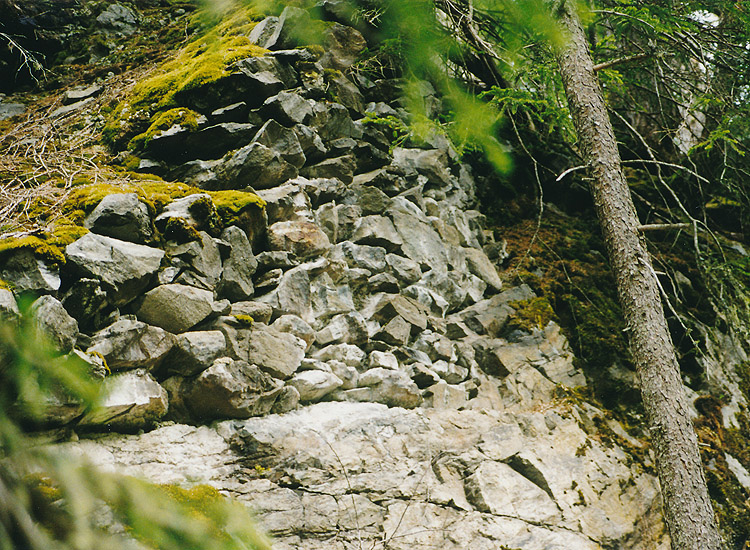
(51,500)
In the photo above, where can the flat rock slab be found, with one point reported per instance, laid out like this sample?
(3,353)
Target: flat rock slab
(129,344)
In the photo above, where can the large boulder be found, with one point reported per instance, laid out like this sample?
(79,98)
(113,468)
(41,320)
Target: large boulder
(27,273)
(125,269)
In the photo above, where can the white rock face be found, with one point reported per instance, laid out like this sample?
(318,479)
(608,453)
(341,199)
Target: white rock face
(421,478)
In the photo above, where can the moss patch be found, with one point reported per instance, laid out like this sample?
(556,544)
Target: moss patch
(186,118)
(38,246)
(531,314)
(231,204)
(206,59)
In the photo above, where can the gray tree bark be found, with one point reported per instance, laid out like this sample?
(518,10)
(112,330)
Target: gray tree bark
(689,515)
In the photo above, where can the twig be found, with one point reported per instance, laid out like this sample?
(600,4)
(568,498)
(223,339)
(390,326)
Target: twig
(620,61)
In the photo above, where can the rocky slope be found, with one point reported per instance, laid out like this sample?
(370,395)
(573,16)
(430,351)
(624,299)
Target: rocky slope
(315,324)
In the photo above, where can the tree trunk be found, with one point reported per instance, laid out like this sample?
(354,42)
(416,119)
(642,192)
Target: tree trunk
(688,511)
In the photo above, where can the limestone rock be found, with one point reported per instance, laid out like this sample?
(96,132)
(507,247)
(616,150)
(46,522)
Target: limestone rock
(257,166)
(124,268)
(481,266)
(277,353)
(27,273)
(305,239)
(194,352)
(132,401)
(8,305)
(129,344)
(283,141)
(343,45)
(313,385)
(296,326)
(363,256)
(377,231)
(198,262)
(232,389)
(350,355)
(236,282)
(392,388)
(347,328)
(176,307)
(121,216)
(55,323)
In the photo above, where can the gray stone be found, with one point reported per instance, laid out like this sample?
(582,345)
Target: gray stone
(430,300)
(370,199)
(292,295)
(277,353)
(389,306)
(132,401)
(256,166)
(237,275)
(185,209)
(406,270)
(350,355)
(390,387)
(79,93)
(296,326)
(342,168)
(435,346)
(260,312)
(347,328)
(287,400)
(487,489)
(329,299)
(338,220)
(212,142)
(283,141)
(445,396)
(349,376)
(423,376)
(55,323)
(395,332)
(288,108)
(124,268)
(27,273)
(236,112)
(305,239)
(491,316)
(118,18)
(199,262)
(232,389)
(266,33)
(346,93)
(286,202)
(490,357)
(175,307)
(121,216)
(194,352)
(313,147)
(431,163)
(343,45)
(446,285)
(362,256)
(420,241)
(9,110)
(8,305)
(383,282)
(129,344)
(313,385)
(381,359)
(481,266)
(377,231)
(457,218)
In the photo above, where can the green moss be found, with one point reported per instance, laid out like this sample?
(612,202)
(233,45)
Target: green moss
(244,320)
(34,244)
(534,313)
(317,50)
(231,204)
(394,128)
(206,59)
(178,230)
(186,118)
(205,212)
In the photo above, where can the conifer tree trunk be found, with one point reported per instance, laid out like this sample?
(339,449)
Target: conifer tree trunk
(688,511)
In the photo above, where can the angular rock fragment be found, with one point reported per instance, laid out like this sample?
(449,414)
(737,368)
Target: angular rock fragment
(283,141)
(257,166)
(348,328)
(305,239)
(27,273)
(278,353)
(130,344)
(132,401)
(231,389)
(198,261)
(377,231)
(350,355)
(194,352)
(176,307)
(363,256)
(236,282)
(313,385)
(54,322)
(390,387)
(125,269)
(121,216)
(288,108)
